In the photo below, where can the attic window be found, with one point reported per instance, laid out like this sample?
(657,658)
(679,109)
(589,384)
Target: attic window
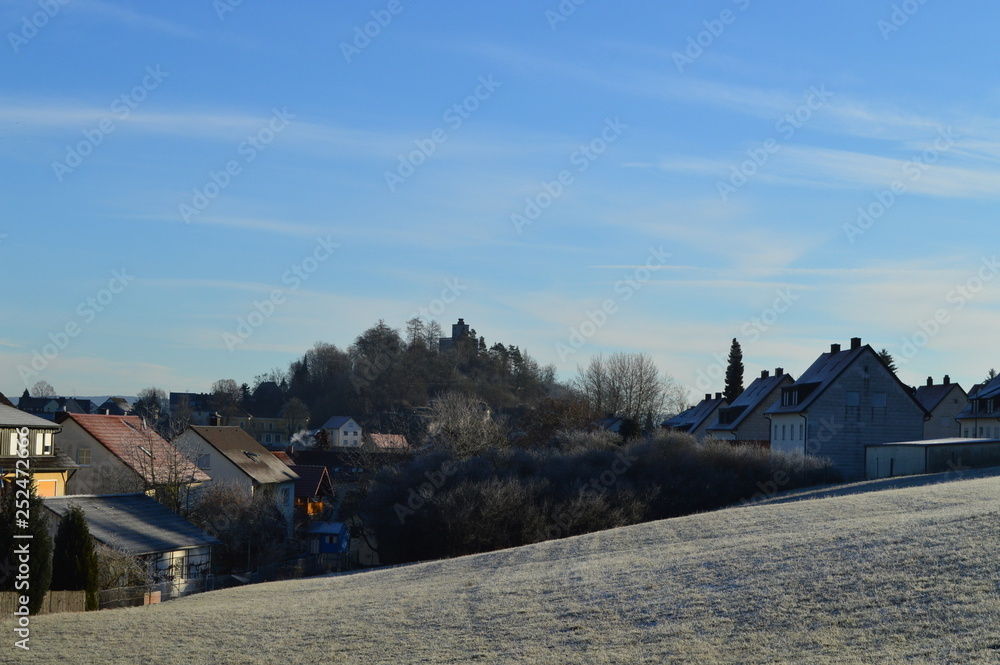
(145,450)
(254,457)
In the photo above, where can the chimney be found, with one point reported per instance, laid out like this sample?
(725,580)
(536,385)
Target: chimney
(779,371)
(718,395)
(764,374)
(708,396)
(835,348)
(930,380)
(947,380)
(855,343)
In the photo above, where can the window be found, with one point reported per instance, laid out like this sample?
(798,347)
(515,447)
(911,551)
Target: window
(205,462)
(965,432)
(878,400)
(145,450)
(800,430)
(775,432)
(83,456)
(782,432)
(254,457)
(47,444)
(267,438)
(853,398)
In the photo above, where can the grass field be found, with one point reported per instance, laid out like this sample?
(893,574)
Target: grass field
(906,575)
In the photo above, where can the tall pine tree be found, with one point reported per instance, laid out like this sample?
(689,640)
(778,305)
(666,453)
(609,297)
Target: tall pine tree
(734,372)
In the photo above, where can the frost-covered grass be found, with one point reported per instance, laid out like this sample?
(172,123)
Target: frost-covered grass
(906,575)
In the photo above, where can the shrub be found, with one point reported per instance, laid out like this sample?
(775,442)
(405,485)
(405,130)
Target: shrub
(74,563)
(440,506)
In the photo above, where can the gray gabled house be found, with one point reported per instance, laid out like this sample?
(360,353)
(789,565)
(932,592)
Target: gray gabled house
(696,419)
(943,401)
(846,400)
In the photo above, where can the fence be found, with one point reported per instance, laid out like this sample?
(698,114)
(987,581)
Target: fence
(149,594)
(55,601)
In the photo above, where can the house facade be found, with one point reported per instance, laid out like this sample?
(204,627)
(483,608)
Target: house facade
(943,401)
(231,456)
(846,400)
(121,454)
(50,468)
(743,421)
(343,432)
(980,419)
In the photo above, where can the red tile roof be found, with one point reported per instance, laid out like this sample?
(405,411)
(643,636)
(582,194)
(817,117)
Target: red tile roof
(390,441)
(139,447)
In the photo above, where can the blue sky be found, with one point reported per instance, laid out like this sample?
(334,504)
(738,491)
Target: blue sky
(657,177)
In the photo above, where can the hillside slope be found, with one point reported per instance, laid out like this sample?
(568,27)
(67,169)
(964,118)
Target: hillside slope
(909,575)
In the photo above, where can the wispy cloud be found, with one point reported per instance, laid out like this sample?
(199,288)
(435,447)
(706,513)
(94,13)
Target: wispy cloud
(132,19)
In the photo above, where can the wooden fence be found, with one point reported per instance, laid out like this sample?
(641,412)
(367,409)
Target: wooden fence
(55,601)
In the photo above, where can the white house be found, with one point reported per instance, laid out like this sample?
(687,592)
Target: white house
(343,432)
(231,456)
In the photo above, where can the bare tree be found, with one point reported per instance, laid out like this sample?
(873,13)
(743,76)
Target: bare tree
(464,425)
(43,389)
(159,469)
(627,385)
(226,398)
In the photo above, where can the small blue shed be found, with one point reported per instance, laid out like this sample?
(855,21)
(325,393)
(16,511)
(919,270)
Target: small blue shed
(328,538)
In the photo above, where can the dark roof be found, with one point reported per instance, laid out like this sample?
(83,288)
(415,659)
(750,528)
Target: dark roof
(930,396)
(11,417)
(313,482)
(243,450)
(58,461)
(825,371)
(336,422)
(761,389)
(983,391)
(693,418)
(139,447)
(339,463)
(4,401)
(134,522)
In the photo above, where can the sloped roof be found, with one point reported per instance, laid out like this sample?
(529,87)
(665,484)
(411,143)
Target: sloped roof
(5,402)
(986,390)
(135,522)
(693,418)
(761,389)
(58,461)
(336,422)
(930,396)
(243,450)
(283,456)
(139,447)
(314,481)
(11,417)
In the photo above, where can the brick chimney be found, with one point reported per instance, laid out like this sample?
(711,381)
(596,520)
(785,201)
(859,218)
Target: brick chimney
(779,371)
(835,348)
(930,380)
(855,343)
(947,380)
(708,396)
(764,374)
(718,395)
